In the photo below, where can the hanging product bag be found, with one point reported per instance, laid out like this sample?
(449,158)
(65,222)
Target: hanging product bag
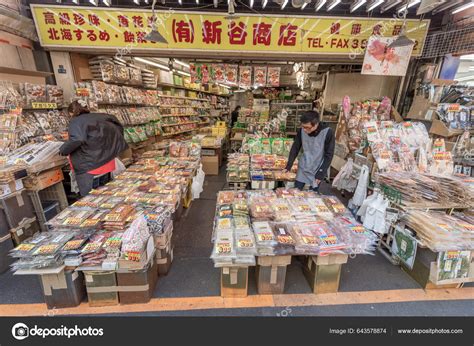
(361,191)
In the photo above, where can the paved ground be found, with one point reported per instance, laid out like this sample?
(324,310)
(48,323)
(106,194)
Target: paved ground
(193,275)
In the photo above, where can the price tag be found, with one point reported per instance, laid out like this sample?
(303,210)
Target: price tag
(454,107)
(82,92)
(44,105)
(403,245)
(447,265)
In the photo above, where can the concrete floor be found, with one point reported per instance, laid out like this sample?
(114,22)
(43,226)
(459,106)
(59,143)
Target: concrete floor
(193,275)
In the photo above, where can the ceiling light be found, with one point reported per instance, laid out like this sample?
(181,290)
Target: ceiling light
(407,6)
(264,3)
(154,35)
(284,4)
(467,57)
(447,5)
(182,63)
(333,4)
(357,4)
(76,2)
(463,7)
(251,3)
(183,73)
(305,4)
(147,1)
(106,2)
(152,63)
(94,2)
(320,4)
(216,3)
(374,5)
(389,5)
(197,2)
(137,2)
(180,2)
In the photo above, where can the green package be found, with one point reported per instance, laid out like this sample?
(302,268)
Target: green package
(277,146)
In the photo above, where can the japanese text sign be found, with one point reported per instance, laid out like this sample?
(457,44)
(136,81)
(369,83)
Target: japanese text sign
(108,28)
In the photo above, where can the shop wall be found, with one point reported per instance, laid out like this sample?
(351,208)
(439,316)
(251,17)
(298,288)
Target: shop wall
(359,86)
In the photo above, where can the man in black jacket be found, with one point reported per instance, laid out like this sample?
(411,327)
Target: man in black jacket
(317,141)
(95,140)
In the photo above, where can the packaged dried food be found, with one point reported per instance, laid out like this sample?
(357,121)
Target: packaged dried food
(241,223)
(225,210)
(223,224)
(285,242)
(224,248)
(245,243)
(225,197)
(55,94)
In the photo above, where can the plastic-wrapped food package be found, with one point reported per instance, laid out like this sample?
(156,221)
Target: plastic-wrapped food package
(70,218)
(327,240)
(261,209)
(245,242)
(335,205)
(75,244)
(285,242)
(300,206)
(95,219)
(224,251)
(223,223)
(224,210)
(54,244)
(453,265)
(372,132)
(27,248)
(240,208)
(306,240)
(320,208)
(107,71)
(34,93)
(241,223)
(135,238)
(264,237)
(54,93)
(282,210)
(351,232)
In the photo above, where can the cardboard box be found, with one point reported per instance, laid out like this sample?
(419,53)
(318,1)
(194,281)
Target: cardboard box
(324,272)
(210,165)
(234,282)
(137,286)
(63,290)
(13,186)
(101,287)
(164,259)
(26,229)
(271,274)
(44,179)
(440,129)
(17,207)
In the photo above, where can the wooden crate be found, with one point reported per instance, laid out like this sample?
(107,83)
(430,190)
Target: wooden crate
(271,274)
(324,272)
(44,179)
(234,282)
(101,287)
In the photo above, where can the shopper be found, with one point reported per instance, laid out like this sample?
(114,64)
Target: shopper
(95,140)
(235,116)
(317,141)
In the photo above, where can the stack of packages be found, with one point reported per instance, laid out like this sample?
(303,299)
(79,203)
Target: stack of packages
(34,153)
(288,222)
(238,168)
(269,158)
(111,226)
(424,190)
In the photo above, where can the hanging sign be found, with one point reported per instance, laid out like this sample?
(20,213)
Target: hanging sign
(245,76)
(273,76)
(260,76)
(93,28)
(379,59)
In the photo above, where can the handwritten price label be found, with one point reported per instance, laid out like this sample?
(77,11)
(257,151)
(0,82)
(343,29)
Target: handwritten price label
(44,105)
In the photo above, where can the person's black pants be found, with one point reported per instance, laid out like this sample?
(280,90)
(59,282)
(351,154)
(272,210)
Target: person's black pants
(300,186)
(84,182)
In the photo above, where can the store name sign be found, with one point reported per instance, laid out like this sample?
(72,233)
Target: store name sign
(108,28)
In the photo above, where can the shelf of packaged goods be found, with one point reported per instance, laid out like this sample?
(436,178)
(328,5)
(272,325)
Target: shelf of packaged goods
(178,115)
(166,85)
(184,97)
(209,116)
(178,133)
(191,122)
(125,104)
(185,106)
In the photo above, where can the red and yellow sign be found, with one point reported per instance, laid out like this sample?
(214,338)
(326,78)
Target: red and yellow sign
(63,26)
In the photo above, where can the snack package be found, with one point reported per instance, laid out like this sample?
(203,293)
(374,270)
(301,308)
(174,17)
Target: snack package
(224,247)
(285,242)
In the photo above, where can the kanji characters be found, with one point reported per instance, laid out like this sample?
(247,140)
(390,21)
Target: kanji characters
(79,19)
(396,30)
(53,34)
(64,19)
(287,35)
(211,32)
(335,27)
(122,21)
(78,33)
(94,20)
(183,31)
(49,18)
(137,21)
(141,37)
(262,34)
(91,35)
(376,30)
(237,33)
(104,35)
(128,36)
(66,34)
(356,29)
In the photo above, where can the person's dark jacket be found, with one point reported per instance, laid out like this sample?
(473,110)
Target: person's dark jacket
(234,117)
(329,145)
(94,140)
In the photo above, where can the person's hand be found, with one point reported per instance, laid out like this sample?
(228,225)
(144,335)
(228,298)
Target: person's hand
(317,182)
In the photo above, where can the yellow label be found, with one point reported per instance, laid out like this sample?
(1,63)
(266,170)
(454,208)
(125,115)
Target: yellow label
(44,105)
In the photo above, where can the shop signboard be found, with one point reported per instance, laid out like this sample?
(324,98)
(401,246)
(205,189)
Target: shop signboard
(404,246)
(92,28)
